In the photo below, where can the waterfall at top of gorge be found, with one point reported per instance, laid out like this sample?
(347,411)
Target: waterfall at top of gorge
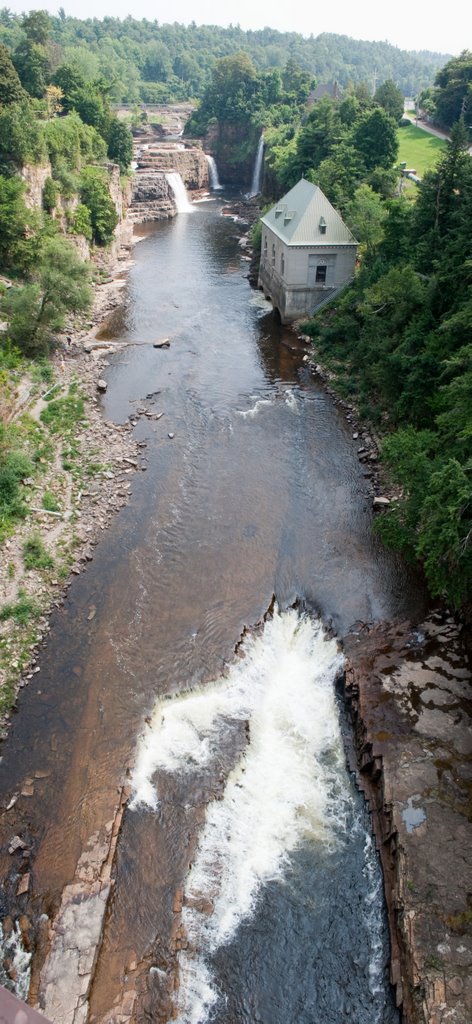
(215,183)
(179,191)
(256,183)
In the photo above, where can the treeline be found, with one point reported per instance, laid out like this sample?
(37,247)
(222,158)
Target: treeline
(451,95)
(51,115)
(399,341)
(143,61)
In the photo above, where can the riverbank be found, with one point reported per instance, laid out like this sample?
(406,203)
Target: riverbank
(86,471)
(408,693)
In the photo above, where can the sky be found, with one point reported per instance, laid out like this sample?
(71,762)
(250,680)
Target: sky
(445,28)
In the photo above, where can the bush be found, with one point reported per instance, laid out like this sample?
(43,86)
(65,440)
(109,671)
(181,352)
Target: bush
(35,554)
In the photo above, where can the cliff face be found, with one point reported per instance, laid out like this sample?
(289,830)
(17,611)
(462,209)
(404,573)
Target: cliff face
(35,176)
(408,691)
(151,197)
(234,148)
(191,163)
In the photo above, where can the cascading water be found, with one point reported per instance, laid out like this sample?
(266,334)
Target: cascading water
(256,184)
(213,173)
(288,792)
(179,191)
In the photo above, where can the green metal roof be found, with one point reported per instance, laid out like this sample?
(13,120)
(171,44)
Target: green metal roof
(298,217)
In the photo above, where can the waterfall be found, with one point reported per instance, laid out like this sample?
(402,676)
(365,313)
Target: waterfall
(213,173)
(256,184)
(179,191)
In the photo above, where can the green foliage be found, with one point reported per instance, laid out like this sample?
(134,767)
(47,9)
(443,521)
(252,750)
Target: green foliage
(71,143)
(21,139)
(35,554)
(453,94)
(15,465)
(120,144)
(366,215)
(21,611)
(11,90)
(375,138)
(15,223)
(95,195)
(391,98)
(50,502)
(51,192)
(60,286)
(399,343)
(82,224)
(63,414)
(31,62)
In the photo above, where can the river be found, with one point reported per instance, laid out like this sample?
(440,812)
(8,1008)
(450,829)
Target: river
(246,887)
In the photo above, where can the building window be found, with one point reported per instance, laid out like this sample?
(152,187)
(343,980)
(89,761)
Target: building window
(273,255)
(322,226)
(282,264)
(321,274)
(265,247)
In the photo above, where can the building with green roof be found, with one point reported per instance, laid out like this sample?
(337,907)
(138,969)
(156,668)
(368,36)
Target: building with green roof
(308,254)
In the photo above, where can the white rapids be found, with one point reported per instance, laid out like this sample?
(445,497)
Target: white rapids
(289,785)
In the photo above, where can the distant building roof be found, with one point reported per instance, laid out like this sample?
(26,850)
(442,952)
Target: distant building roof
(304,216)
(332,89)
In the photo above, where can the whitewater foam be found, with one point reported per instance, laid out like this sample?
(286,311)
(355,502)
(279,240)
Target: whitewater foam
(288,787)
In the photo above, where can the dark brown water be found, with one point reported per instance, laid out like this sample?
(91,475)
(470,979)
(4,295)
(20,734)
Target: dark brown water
(259,492)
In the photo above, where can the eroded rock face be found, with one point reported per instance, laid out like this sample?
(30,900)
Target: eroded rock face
(151,197)
(35,177)
(409,691)
(190,163)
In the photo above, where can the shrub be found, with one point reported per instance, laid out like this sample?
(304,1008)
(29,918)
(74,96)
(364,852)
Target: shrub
(35,554)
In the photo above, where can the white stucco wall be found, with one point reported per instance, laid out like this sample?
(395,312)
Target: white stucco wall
(291,285)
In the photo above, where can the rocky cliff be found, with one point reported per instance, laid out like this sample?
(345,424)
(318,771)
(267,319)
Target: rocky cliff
(35,176)
(190,163)
(408,691)
(151,197)
(234,148)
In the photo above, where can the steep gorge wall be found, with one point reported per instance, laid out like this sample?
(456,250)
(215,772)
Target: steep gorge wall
(190,163)
(408,693)
(234,147)
(151,197)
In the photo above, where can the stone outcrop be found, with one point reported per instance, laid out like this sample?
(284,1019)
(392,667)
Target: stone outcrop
(151,198)
(35,176)
(409,697)
(190,163)
(234,150)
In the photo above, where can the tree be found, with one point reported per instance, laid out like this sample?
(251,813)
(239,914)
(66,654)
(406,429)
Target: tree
(61,285)
(15,221)
(53,96)
(366,215)
(321,132)
(453,94)
(391,98)
(375,137)
(120,144)
(21,139)
(95,195)
(233,85)
(37,26)
(11,90)
(31,62)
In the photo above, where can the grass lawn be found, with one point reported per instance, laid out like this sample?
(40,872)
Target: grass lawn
(418,148)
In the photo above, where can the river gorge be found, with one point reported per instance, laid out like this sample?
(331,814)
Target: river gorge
(199,849)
